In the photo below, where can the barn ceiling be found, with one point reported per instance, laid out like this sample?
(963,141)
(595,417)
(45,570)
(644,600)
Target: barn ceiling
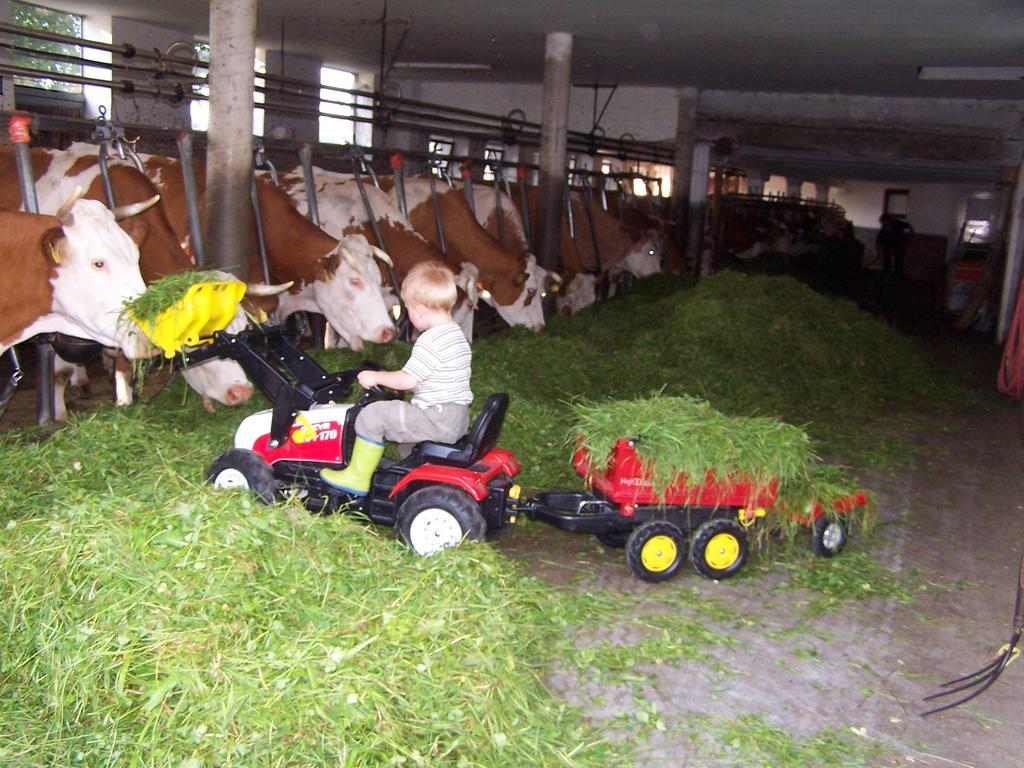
(867,47)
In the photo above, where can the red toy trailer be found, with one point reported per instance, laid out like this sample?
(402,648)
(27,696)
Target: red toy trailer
(707,521)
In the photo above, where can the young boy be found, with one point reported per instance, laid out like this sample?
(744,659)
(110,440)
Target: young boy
(437,372)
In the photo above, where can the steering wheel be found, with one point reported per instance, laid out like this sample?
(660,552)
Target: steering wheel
(379,392)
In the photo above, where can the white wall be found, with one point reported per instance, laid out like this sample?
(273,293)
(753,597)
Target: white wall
(932,208)
(648,113)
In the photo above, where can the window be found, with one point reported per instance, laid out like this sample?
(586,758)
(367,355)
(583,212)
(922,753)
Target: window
(336,130)
(47,20)
(897,202)
(439,145)
(492,152)
(977,226)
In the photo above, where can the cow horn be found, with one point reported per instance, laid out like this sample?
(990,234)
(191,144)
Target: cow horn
(134,209)
(265,289)
(64,212)
(382,255)
(346,255)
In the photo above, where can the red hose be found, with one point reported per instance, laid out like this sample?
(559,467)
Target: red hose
(1011,368)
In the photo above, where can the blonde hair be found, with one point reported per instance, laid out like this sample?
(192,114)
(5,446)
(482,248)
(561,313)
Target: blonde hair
(431,284)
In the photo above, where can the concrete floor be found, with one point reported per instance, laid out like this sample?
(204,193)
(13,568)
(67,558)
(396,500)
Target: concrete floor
(951,527)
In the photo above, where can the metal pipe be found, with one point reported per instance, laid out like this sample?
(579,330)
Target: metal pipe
(44,389)
(467,184)
(12,381)
(108,190)
(497,204)
(568,210)
(188,176)
(590,222)
(261,243)
(18,130)
(306,157)
(524,201)
(372,218)
(398,167)
(437,213)
(366,202)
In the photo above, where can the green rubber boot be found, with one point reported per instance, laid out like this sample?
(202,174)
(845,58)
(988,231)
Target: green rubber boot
(355,478)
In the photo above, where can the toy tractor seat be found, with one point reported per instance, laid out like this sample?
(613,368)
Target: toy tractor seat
(481,437)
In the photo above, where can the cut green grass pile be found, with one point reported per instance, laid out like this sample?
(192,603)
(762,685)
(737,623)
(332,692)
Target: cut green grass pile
(148,621)
(749,345)
(165,292)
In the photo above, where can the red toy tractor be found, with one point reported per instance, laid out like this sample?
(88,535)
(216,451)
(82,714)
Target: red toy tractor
(438,495)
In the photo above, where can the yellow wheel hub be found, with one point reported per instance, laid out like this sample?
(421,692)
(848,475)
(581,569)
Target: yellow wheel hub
(722,551)
(658,553)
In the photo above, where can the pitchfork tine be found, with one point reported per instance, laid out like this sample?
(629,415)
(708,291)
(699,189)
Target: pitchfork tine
(972,676)
(984,677)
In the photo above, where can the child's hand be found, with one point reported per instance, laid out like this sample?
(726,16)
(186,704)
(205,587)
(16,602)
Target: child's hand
(368,379)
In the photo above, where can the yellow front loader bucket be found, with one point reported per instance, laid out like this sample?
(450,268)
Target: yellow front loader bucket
(191,321)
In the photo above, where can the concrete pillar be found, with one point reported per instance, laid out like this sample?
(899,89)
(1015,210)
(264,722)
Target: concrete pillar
(793,185)
(698,206)
(554,128)
(147,110)
(755,182)
(1014,255)
(686,135)
(289,125)
(229,217)
(821,191)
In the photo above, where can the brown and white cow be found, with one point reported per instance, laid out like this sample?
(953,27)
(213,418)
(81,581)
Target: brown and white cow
(588,273)
(342,212)
(69,273)
(337,278)
(57,173)
(509,282)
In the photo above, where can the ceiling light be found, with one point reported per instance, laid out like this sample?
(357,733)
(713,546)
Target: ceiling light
(970,73)
(463,66)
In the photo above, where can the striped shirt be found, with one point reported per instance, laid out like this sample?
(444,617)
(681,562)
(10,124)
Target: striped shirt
(442,363)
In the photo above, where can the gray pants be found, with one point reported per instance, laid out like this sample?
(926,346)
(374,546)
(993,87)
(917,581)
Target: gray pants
(402,422)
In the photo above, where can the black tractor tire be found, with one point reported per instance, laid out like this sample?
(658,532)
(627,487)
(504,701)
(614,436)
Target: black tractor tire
(828,536)
(241,468)
(656,550)
(438,517)
(719,549)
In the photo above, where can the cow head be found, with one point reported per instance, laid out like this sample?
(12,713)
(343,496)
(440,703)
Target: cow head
(349,292)
(97,271)
(525,284)
(643,258)
(467,281)
(581,292)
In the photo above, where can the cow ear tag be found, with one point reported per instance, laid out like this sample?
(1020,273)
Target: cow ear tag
(54,253)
